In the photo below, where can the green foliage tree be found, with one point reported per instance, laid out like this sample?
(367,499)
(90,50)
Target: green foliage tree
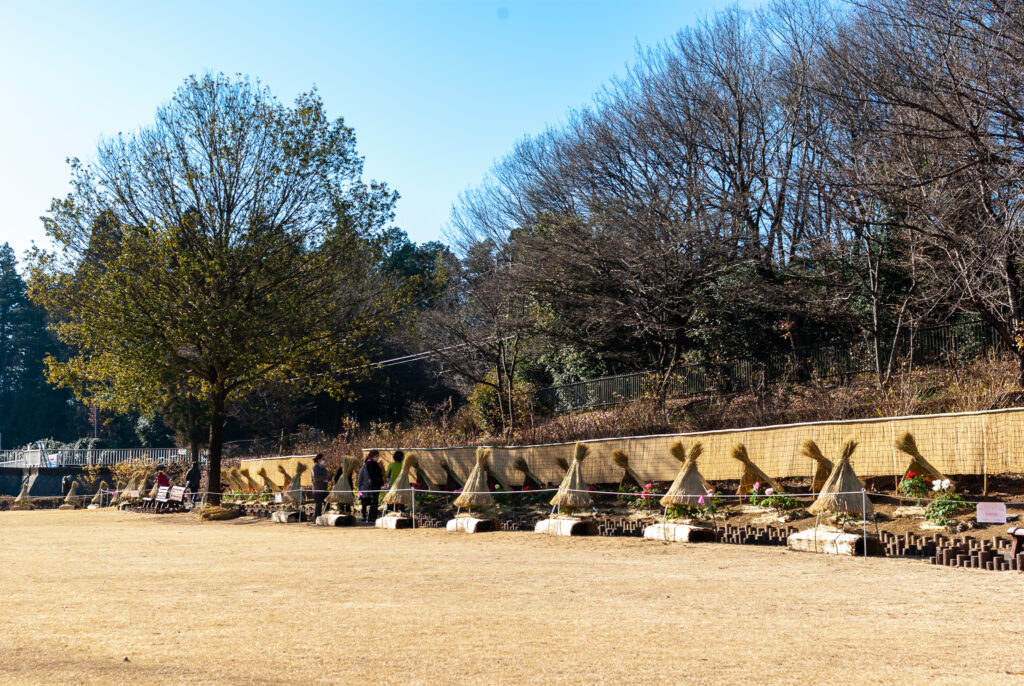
(29,408)
(231,244)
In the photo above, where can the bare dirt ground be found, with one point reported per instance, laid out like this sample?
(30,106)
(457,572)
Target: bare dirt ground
(249,602)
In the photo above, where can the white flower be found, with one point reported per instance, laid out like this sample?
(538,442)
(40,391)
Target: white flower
(945,484)
(936,485)
(769,491)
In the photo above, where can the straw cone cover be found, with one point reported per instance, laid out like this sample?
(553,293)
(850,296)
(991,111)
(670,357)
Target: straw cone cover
(294,492)
(72,497)
(751,472)
(341,493)
(476,493)
(521,465)
(267,481)
(97,499)
(823,465)
(399,493)
(250,483)
(573,490)
(906,444)
(841,493)
(689,486)
(22,495)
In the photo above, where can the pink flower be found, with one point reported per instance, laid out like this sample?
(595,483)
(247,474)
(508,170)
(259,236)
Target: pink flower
(359,494)
(591,488)
(711,491)
(769,491)
(645,494)
(649,486)
(526,488)
(700,500)
(757,486)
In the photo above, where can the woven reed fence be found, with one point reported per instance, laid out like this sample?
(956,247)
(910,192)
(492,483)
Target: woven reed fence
(975,443)
(289,462)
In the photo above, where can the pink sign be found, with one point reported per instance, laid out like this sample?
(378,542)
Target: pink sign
(991,513)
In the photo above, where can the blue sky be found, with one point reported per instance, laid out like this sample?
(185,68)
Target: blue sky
(436,91)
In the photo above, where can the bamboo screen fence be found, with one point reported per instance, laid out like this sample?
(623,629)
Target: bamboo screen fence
(965,443)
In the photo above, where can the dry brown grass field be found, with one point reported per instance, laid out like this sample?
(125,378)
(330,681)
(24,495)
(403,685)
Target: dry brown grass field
(105,597)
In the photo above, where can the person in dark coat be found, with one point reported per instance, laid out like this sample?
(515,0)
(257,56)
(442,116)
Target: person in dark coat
(320,484)
(192,478)
(65,485)
(369,483)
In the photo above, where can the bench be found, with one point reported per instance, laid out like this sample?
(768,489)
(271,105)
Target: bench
(151,503)
(175,500)
(1017,534)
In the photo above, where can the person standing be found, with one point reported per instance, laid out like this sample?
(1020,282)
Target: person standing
(320,482)
(65,485)
(192,478)
(394,469)
(369,483)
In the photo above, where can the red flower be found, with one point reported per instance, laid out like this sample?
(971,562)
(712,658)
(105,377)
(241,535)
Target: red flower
(911,475)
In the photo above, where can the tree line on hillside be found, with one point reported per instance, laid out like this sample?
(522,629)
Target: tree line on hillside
(760,182)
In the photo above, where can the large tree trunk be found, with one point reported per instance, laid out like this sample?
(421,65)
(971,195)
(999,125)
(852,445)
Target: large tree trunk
(217,398)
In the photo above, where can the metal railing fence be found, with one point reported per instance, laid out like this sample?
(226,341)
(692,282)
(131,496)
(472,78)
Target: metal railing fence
(60,457)
(945,344)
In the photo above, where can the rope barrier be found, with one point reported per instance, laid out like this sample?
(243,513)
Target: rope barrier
(629,494)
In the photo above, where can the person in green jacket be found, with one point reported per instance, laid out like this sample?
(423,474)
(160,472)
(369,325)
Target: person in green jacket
(393,470)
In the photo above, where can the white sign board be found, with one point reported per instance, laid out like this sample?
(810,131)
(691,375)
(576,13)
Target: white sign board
(991,513)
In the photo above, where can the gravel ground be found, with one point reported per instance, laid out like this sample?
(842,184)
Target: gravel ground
(109,597)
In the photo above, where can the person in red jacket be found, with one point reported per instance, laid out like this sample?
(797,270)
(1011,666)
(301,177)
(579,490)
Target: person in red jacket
(161,477)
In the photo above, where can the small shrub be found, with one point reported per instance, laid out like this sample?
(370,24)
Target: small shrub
(639,498)
(914,486)
(946,504)
(772,500)
(708,507)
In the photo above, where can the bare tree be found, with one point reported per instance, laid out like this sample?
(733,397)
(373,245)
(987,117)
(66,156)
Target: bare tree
(949,95)
(478,327)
